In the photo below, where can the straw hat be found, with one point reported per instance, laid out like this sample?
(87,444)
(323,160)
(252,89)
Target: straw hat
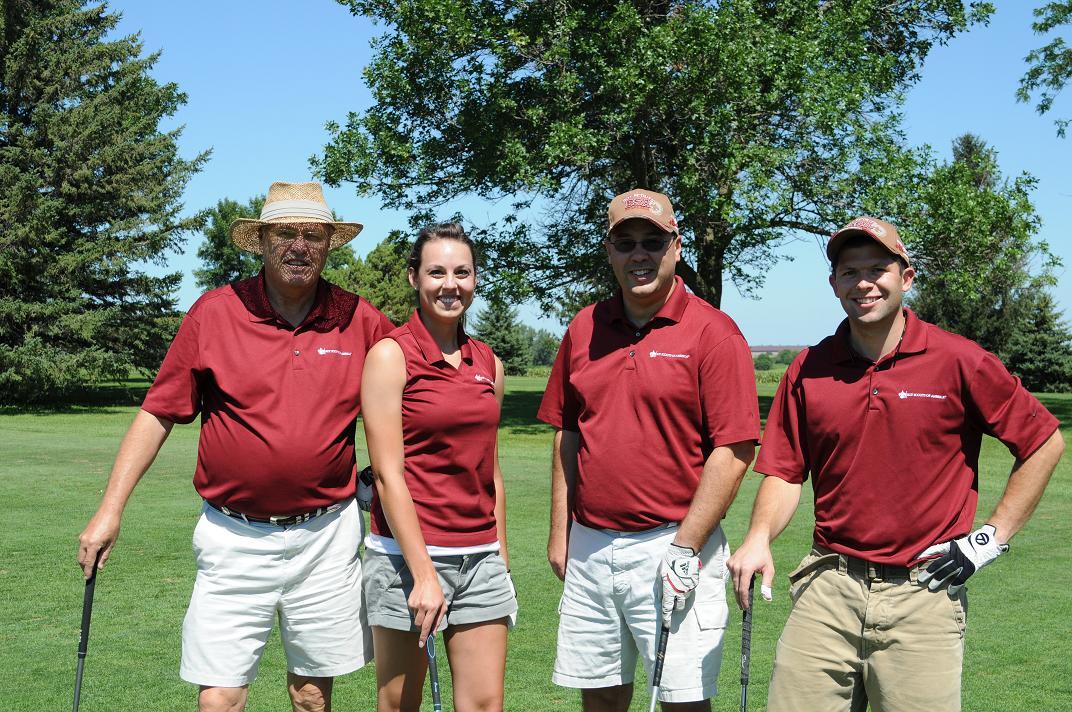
(292,203)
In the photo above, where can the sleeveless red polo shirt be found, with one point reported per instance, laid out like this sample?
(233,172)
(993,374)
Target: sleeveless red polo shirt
(450,418)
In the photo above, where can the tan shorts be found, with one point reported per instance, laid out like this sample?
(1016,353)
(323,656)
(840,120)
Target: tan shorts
(857,638)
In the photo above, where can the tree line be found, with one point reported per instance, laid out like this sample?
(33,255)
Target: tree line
(761,121)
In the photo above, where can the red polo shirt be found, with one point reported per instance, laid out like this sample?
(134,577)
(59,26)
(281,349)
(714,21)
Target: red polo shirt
(277,403)
(650,404)
(450,418)
(893,447)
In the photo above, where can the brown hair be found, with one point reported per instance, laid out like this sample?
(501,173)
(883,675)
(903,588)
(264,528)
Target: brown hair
(862,241)
(439,231)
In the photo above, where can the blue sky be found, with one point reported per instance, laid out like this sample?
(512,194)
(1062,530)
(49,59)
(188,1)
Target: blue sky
(263,76)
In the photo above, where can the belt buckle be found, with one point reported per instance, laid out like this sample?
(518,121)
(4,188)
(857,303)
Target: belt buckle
(278,521)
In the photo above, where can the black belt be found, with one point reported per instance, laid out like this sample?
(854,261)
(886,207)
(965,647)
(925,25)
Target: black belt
(280,521)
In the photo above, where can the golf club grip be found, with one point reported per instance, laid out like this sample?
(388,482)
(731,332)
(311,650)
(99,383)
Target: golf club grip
(87,607)
(433,674)
(660,655)
(746,633)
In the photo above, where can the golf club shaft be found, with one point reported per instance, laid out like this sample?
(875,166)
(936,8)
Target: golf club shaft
(746,643)
(433,672)
(83,637)
(660,658)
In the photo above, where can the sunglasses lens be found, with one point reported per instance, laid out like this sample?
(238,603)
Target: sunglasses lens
(651,244)
(624,246)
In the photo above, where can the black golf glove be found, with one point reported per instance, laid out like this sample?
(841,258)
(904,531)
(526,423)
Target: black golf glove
(961,558)
(365,487)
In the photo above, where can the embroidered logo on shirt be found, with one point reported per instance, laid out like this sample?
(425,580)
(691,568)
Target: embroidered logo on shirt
(323,352)
(656,354)
(482,378)
(905,394)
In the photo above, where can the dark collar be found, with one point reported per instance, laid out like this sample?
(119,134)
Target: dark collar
(333,308)
(427,343)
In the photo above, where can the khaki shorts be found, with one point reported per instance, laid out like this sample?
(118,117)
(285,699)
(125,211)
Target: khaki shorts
(476,586)
(855,639)
(610,613)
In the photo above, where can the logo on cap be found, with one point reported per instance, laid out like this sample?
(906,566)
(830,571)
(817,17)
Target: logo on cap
(871,226)
(639,200)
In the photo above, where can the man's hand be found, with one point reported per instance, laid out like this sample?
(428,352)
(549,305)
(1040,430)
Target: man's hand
(680,574)
(98,536)
(753,557)
(556,554)
(961,558)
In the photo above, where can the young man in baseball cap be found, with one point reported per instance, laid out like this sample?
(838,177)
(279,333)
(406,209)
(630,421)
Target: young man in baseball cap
(654,399)
(887,417)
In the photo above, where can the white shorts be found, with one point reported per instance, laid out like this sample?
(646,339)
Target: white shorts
(308,575)
(610,613)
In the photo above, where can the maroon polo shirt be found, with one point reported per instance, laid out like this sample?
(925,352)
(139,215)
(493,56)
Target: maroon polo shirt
(277,403)
(893,447)
(450,419)
(650,404)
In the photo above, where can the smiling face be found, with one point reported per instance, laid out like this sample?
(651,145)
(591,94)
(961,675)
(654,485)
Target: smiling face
(445,279)
(645,275)
(870,283)
(295,254)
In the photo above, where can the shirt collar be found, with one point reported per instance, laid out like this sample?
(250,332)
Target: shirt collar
(913,340)
(427,344)
(333,308)
(671,311)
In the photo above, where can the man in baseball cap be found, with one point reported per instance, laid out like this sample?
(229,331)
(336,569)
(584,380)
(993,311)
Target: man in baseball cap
(273,366)
(886,416)
(653,396)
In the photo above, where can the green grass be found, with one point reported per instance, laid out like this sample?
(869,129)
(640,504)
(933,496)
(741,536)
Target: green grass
(55,463)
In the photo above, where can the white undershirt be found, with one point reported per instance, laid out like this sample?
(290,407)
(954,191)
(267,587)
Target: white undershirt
(386,545)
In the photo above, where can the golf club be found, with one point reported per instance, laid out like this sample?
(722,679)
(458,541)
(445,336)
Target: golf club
(746,643)
(433,672)
(83,638)
(660,656)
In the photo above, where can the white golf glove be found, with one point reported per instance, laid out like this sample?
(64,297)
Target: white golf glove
(680,573)
(513,590)
(961,558)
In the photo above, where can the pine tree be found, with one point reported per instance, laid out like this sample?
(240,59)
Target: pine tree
(497,326)
(89,192)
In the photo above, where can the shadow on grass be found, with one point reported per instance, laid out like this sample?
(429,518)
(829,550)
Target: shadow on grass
(519,412)
(101,398)
(1060,404)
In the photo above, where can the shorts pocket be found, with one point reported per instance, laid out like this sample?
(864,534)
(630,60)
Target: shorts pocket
(711,615)
(810,566)
(960,611)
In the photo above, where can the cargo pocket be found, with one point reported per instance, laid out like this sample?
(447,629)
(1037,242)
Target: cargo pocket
(960,611)
(711,615)
(810,566)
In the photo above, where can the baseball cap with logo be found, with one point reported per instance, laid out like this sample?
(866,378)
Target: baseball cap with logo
(645,204)
(880,231)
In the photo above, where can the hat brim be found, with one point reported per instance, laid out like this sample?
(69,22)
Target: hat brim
(245,233)
(641,216)
(839,238)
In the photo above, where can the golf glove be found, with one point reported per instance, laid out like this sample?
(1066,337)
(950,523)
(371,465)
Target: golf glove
(679,573)
(510,580)
(961,558)
(365,486)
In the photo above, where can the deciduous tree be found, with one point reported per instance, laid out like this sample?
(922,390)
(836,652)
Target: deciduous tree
(1050,66)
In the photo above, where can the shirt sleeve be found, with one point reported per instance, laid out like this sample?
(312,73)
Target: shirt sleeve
(728,392)
(559,406)
(783,450)
(176,392)
(1006,410)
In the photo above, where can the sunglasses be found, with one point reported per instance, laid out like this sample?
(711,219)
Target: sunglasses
(650,244)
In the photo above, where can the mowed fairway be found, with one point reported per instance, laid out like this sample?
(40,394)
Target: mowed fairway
(54,465)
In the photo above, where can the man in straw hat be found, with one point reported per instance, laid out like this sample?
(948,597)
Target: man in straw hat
(273,365)
(653,396)
(886,416)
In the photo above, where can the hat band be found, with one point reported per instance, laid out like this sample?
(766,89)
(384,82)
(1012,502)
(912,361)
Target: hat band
(317,212)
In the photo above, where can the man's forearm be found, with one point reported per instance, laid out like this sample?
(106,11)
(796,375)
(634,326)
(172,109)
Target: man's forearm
(776,501)
(722,475)
(1026,484)
(139,448)
(563,480)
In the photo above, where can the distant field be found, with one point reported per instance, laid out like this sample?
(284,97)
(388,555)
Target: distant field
(55,463)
